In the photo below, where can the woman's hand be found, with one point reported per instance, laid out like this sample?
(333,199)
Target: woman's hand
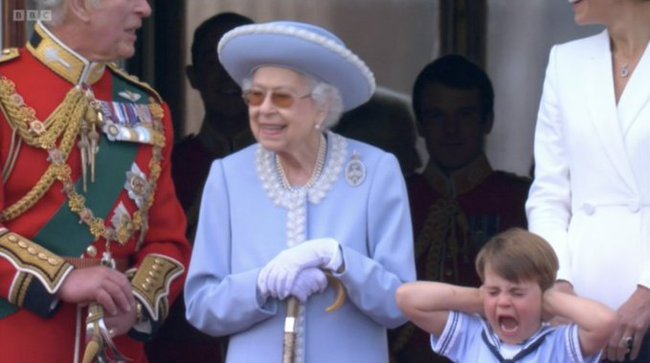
(277,277)
(633,322)
(309,281)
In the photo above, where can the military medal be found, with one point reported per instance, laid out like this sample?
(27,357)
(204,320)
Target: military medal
(89,137)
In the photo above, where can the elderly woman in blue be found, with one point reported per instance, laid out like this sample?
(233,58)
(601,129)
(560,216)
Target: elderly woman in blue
(301,212)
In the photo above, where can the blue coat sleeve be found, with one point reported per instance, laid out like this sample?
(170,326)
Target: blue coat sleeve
(371,278)
(219,302)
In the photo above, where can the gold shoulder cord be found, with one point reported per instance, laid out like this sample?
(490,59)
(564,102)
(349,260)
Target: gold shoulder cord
(66,122)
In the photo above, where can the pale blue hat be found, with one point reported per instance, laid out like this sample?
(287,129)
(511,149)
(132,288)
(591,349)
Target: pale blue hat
(302,47)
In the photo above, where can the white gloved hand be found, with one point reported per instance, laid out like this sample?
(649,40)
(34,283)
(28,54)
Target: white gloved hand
(277,277)
(309,281)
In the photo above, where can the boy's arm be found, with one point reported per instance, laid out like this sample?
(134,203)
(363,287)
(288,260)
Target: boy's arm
(427,304)
(596,322)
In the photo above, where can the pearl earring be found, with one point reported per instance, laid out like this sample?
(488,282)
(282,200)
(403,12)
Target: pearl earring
(317,126)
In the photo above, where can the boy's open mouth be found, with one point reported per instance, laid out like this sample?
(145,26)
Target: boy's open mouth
(508,324)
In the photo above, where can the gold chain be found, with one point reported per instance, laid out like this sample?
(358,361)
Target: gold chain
(19,116)
(33,131)
(67,120)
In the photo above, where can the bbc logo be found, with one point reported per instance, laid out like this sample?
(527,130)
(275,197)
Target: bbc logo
(32,15)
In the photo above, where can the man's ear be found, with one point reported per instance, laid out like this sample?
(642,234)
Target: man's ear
(191,75)
(488,122)
(80,8)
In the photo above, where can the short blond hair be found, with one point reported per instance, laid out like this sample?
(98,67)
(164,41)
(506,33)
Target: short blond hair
(518,255)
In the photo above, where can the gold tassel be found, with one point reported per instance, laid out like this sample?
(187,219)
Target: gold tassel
(92,350)
(83,150)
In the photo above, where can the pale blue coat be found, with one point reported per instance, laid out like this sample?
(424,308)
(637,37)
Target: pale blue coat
(240,229)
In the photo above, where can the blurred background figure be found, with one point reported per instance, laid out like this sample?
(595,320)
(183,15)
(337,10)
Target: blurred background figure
(224,130)
(225,122)
(386,121)
(458,202)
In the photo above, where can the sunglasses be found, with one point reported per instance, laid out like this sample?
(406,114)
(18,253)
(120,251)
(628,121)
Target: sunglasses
(279,99)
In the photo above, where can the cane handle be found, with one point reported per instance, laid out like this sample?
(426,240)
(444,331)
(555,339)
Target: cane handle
(341,294)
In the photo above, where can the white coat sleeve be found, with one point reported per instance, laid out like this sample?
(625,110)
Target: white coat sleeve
(548,207)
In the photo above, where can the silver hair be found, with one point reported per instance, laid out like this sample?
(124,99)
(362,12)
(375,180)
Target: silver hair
(57,9)
(326,96)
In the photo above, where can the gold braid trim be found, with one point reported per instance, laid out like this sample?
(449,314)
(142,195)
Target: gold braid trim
(19,288)
(31,259)
(67,119)
(152,281)
(33,131)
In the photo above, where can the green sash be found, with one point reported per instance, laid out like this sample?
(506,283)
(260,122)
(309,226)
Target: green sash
(65,234)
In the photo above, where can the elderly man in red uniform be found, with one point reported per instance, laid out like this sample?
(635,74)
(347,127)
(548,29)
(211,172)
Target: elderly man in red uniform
(458,202)
(92,246)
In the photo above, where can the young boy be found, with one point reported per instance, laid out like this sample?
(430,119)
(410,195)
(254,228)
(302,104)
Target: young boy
(502,321)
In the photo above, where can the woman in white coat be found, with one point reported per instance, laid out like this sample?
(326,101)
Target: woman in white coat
(302,202)
(591,193)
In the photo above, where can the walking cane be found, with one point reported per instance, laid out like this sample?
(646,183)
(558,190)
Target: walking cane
(293,306)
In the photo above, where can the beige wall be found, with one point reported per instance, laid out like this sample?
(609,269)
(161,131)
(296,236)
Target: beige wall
(520,36)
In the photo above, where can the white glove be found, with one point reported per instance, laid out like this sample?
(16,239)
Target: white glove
(309,281)
(277,277)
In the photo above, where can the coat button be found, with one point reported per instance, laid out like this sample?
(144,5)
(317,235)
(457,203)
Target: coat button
(588,208)
(634,206)
(91,251)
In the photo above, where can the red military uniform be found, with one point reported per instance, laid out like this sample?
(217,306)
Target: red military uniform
(86,153)
(453,216)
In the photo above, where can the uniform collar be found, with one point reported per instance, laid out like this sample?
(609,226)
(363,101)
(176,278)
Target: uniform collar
(459,181)
(61,59)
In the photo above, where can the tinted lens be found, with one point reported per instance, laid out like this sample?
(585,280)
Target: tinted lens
(254,97)
(282,99)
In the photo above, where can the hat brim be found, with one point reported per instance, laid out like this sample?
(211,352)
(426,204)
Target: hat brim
(248,47)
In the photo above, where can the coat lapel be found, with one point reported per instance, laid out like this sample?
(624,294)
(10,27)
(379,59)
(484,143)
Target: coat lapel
(601,103)
(636,94)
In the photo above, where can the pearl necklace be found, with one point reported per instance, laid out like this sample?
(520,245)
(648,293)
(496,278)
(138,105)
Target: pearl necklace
(318,168)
